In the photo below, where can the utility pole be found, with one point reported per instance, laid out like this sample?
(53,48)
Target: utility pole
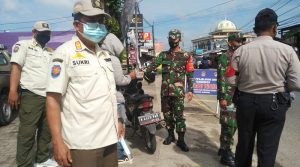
(153,39)
(137,48)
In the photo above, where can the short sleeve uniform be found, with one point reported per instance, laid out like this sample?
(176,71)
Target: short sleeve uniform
(34,62)
(86,82)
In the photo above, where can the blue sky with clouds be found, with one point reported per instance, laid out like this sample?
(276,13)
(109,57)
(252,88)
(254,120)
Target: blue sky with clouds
(195,18)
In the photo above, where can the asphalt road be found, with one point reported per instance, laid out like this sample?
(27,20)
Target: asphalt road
(202,137)
(288,153)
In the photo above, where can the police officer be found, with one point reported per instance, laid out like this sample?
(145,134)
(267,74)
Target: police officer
(225,94)
(176,64)
(268,71)
(81,81)
(30,61)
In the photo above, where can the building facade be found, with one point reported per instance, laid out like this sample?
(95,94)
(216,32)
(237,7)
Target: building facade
(218,38)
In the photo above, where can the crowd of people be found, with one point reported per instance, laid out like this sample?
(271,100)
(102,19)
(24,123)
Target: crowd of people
(70,97)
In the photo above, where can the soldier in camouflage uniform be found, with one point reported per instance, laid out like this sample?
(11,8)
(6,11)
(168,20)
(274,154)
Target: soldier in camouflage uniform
(176,64)
(225,94)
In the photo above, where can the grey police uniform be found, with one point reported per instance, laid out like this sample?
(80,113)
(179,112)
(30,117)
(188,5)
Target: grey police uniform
(268,70)
(34,62)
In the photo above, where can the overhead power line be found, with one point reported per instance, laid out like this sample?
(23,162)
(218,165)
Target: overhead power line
(196,12)
(283,5)
(289,10)
(32,21)
(19,28)
(275,4)
(289,19)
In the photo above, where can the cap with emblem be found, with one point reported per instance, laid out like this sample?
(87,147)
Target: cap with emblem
(89,8)
(41,26)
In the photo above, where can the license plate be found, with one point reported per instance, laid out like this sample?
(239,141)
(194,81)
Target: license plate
(149,118)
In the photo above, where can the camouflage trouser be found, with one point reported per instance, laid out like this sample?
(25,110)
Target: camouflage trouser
(172,108)
(228,128)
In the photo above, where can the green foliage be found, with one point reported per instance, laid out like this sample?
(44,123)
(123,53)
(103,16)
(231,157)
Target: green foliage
(113,26)
(114,8)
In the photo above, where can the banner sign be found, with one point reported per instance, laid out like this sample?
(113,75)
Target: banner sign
(136,20)
(205,81)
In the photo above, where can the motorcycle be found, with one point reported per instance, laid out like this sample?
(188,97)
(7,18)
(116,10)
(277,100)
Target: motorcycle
(139,111)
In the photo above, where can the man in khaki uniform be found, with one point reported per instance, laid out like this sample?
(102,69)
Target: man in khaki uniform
(30,62)
(81,95)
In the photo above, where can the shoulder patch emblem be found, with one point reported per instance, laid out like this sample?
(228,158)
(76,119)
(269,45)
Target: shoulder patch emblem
(78,45)
(55,71)
(16,49)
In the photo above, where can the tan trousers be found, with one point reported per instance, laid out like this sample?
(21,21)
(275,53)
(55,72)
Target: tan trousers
(102,157)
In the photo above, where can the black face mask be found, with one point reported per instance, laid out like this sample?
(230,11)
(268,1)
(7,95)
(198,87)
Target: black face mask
(42,39)
(173,45)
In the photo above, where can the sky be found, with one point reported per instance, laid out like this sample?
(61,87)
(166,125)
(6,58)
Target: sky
(195,18)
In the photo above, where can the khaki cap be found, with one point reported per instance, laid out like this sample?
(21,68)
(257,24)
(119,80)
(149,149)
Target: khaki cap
(41,26)
(86,8)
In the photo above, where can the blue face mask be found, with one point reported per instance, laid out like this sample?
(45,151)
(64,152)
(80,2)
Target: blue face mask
(94,32)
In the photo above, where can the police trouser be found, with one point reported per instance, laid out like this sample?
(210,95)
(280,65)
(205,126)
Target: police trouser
(258,115)
(33,126)
(172,108)
(228,128)
(101,157)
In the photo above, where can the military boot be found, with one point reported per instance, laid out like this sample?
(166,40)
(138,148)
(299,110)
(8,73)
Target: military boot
(170,138)
(227,158)
(221,151)
(180,143)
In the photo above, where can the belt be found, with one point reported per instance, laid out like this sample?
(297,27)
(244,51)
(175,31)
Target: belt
(252,94)
(25,90)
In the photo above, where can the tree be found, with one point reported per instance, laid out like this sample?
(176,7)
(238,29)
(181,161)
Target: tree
(114,8)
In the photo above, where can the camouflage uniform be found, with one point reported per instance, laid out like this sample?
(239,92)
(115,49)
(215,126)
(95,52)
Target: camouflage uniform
(173,86)
(225,92)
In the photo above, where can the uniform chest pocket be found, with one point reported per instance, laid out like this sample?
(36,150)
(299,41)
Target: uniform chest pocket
(83,83)
(34,58)
(166,66)
(179,66)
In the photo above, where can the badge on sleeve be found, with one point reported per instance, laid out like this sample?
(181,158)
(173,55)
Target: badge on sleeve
(55,72)
(16,49)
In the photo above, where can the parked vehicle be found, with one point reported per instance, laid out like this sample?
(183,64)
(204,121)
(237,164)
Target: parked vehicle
(139,111)
(7,114)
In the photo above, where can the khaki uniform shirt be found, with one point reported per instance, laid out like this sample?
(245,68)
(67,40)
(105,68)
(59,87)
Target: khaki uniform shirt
(89,108)
(266,66)
(34,61)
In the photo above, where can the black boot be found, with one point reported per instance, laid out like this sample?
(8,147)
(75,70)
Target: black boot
(170,138)
(227,158)
(180,143)
(221,151)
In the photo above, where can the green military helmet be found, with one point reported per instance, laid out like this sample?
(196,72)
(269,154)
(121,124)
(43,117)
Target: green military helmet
(174,34)
(235,37)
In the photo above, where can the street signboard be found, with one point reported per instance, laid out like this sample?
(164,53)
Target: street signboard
(146,36)
(138,19)
(205,81)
